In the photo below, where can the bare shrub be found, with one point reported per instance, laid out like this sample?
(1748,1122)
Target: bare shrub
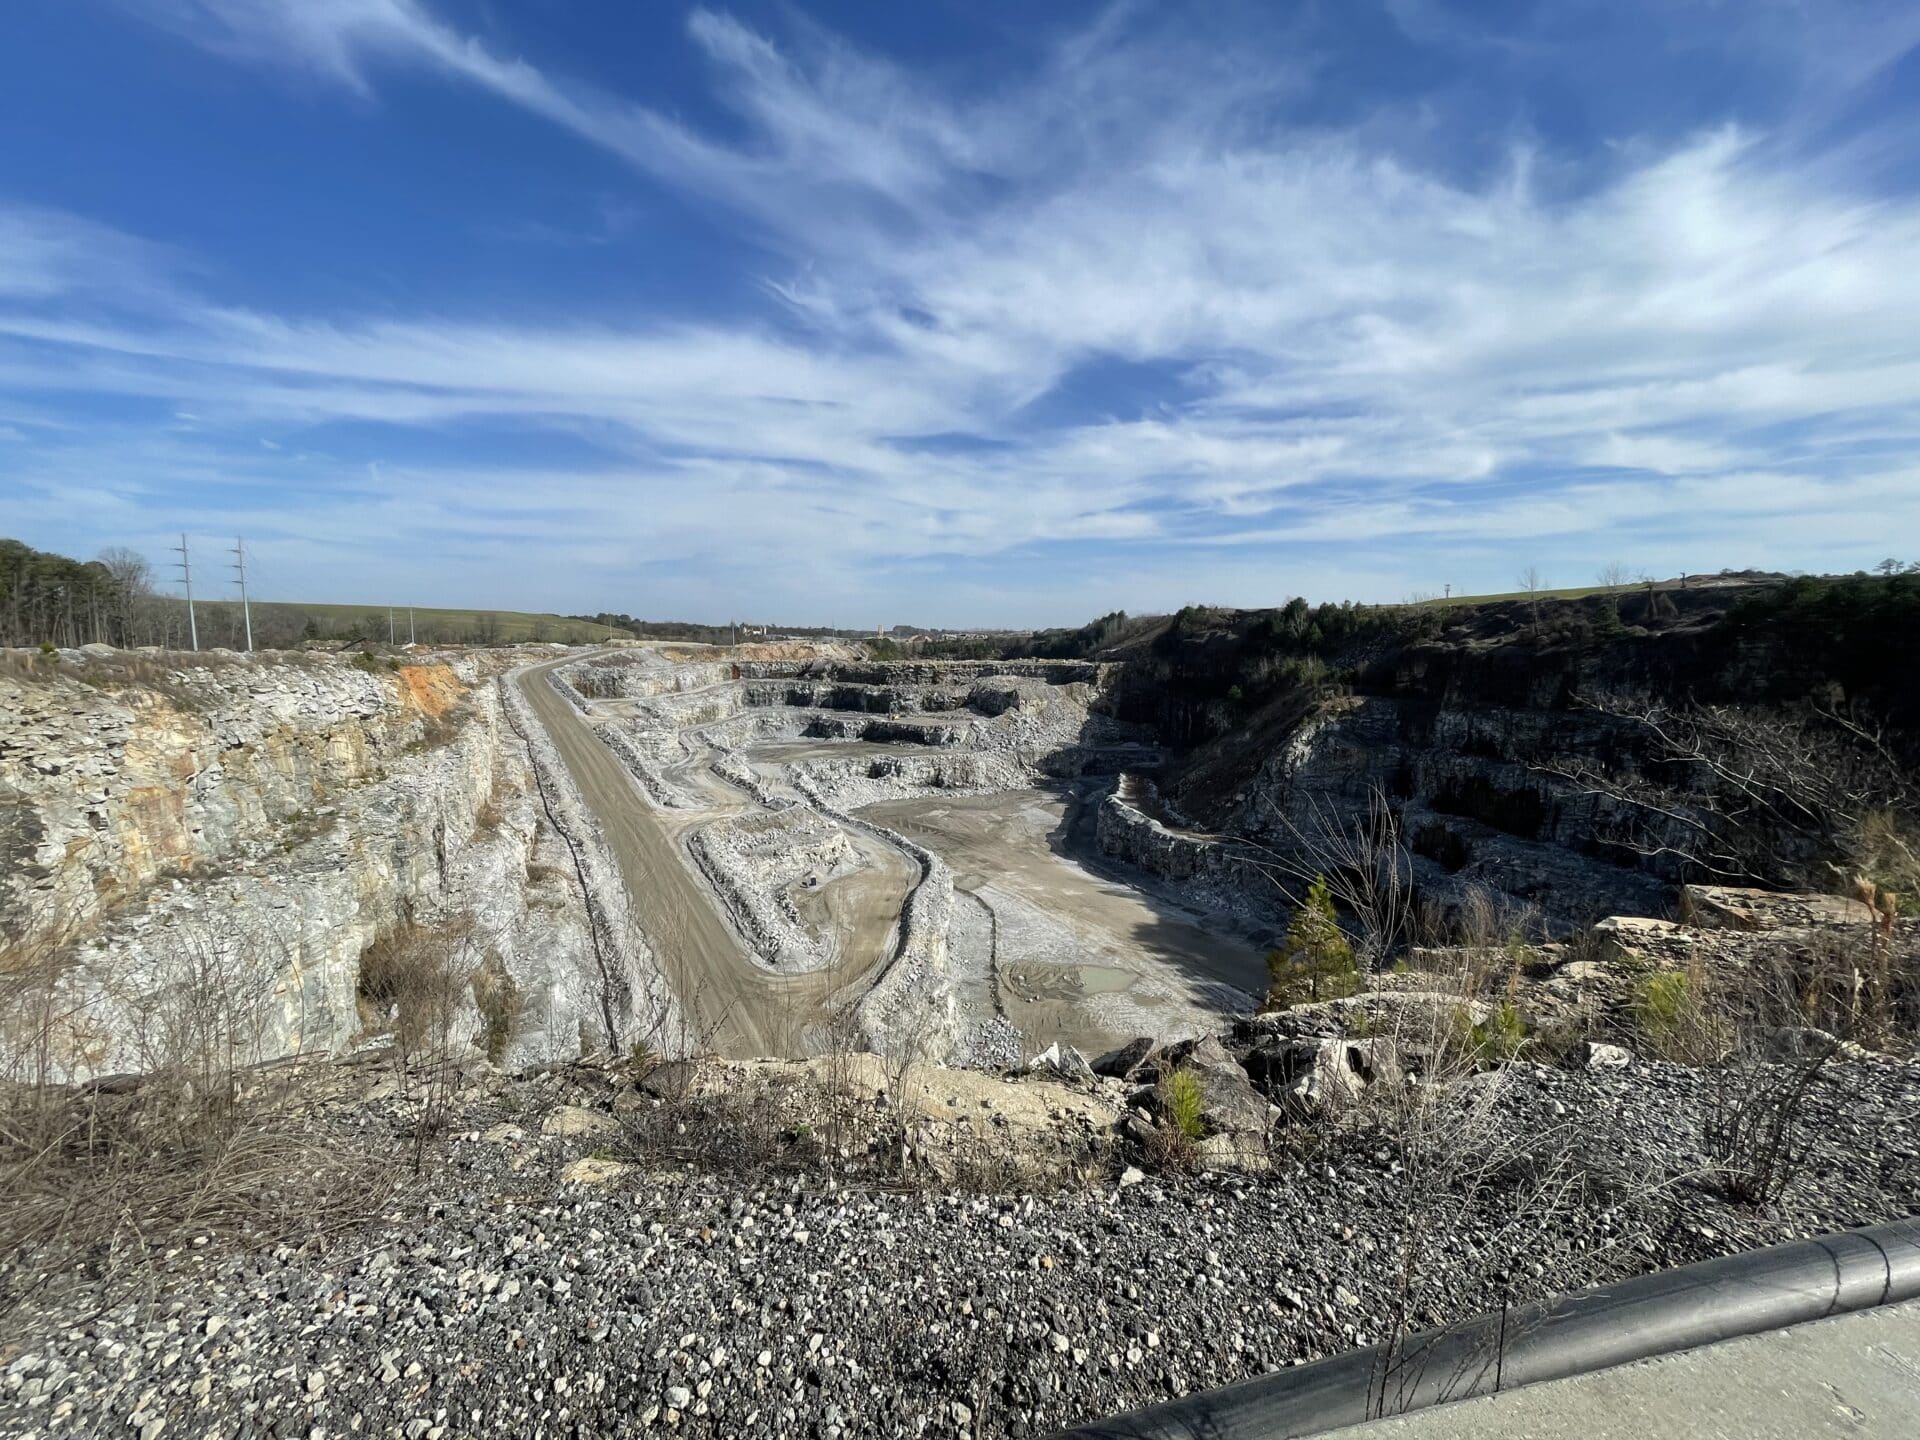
(1753,1124)
(1460,1164)
(415,981)
(1766,1025)
(206,1142)
(1361,859)
(768,1125)
(1753,796)
(500,1005)
(909,1042)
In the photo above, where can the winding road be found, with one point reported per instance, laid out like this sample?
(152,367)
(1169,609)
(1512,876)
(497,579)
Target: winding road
(736,1006)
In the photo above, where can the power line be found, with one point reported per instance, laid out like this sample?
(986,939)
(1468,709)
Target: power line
(186,579)
(240,570)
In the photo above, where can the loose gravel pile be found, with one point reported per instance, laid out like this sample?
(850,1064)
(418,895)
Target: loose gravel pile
(499,1300)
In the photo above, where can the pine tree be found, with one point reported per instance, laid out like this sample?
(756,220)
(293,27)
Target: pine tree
(1315,962)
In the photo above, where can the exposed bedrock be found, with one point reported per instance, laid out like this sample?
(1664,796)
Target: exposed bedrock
(252,826)
(1213,869)
(1479,797)
(756,861)
(1480,791)
(936,673)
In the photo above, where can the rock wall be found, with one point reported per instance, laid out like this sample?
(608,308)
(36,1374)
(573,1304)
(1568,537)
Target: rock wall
(1216,870)
(1482,798)
(117,771)
(239,830)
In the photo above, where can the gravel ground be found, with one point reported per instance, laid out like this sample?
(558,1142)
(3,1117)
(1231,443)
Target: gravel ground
(498,1301)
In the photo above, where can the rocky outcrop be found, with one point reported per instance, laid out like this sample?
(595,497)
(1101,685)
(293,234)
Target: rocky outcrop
(1219,870)
(237,832)
(118,772)
(1482,798)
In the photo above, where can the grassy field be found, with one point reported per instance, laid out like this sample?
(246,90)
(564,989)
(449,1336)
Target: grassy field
(447,626)
(1577,592)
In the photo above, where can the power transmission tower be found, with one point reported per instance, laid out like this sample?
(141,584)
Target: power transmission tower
(186,579)
(240,572)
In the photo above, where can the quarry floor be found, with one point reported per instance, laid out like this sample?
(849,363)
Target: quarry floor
(1079,956)
(1044,934)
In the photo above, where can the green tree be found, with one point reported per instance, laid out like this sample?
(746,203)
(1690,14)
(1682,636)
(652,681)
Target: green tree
(1315,962)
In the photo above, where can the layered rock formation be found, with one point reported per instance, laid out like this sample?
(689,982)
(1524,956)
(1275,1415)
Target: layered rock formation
(238,831)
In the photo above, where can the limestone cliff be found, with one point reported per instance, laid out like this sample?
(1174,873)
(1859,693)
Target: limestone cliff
(172,823)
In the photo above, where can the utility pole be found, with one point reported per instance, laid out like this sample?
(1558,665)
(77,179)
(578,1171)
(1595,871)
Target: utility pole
(240,571)
(389,625)
(186,579)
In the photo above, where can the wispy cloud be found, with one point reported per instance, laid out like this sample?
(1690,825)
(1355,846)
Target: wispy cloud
(1358,352)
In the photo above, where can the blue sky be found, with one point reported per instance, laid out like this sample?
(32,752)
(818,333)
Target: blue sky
(982,313)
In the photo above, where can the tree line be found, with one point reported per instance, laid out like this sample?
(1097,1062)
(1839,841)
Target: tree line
(49,599)
(52,599)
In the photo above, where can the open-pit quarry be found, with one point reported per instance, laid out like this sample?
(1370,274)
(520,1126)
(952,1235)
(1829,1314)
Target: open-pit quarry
(476,1042)
(823,849)
(774,851)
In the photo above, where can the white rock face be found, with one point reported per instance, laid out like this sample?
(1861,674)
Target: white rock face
(229,837)
(755,860)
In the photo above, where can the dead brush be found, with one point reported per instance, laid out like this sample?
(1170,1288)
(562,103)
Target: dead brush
(420,982)
(1466,1156)
(101,1174)
(1765,1028)
(103,1179)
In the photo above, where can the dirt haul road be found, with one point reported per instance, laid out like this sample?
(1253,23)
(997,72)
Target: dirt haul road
(736,1007)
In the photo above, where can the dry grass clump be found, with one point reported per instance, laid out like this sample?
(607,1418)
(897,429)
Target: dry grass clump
(417,981)
(203,1144)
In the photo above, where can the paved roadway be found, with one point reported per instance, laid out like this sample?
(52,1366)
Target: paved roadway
(1854,1375)
(736,1006)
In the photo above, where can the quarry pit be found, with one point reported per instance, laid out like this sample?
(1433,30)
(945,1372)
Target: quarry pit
(908,850)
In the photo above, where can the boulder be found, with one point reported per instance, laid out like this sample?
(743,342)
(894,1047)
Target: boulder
(1733,907)
(670,1079)
(1607,1057)
(1065,1062)
(1621,936)
(572,1120)
(593,1170)
(1125,1063)
(1230,1105)
(1311,1078)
